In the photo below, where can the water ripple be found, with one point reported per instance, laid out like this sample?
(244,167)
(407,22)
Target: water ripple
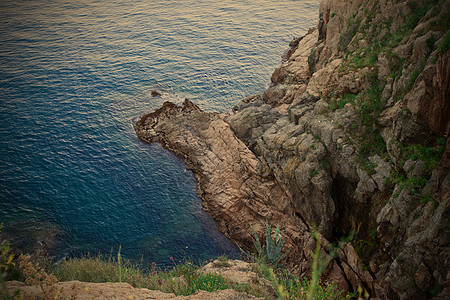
(75,74)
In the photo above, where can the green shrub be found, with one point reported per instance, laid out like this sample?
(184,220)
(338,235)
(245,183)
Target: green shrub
(184,279)
(7,266)
(349,33)
(6,257)
(418,12)
(272,251)
(445,44)
(98,269)
(300,289)
(222,261)
(206,282)
(289,286)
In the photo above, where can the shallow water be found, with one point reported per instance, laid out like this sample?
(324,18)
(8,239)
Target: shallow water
(73,77)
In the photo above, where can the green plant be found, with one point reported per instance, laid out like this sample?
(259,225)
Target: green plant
(99,269)
(338,103)
(445,44)
(184,279)
(352,28)
(289,286)
(119,263)
(206,282)
(222,261)
(413,76)
(272,251)
(417,12)
(317,267)
(6,267)
(6,257)
(431,43)
(294,288)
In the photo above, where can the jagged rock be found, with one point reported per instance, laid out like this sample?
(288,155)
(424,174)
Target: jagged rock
(228,173)
(155,94)
(423,278)
(310,149)
(274,95)
(236,271)
(382,171)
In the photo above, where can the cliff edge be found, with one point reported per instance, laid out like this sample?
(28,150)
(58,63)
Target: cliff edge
(352,136)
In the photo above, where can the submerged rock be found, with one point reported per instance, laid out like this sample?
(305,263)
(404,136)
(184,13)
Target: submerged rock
(155,94)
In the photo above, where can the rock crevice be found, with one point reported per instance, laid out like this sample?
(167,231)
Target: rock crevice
(352,136)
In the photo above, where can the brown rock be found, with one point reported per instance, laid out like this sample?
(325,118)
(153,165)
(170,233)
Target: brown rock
(423,278)
(155,94)
(106,291)
(236,271)
(229,179)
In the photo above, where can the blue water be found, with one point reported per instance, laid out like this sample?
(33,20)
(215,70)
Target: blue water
(74,75)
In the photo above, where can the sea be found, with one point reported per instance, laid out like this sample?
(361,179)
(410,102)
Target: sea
(75,74)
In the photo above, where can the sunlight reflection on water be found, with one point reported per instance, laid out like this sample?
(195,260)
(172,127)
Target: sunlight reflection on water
(73,76)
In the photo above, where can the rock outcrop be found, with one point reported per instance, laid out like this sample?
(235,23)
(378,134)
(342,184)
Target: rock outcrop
(234,271)
(235,185)
(108,291)
(352,136)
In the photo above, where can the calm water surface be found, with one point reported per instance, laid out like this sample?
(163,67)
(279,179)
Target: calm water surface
(75,74)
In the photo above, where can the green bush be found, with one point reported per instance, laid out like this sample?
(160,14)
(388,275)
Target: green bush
(445,44)
(7,268)
(206,282)
(99,269)
(272,251)
(222,261)
(289,286)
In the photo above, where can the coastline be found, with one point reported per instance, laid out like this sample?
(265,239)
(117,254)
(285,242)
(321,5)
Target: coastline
(234,188)
(336,141)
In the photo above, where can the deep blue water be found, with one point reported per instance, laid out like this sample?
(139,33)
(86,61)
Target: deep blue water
(73,77)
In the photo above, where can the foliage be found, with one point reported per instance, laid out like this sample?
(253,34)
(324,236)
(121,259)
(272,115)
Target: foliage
(289,286)
(317,268)
(37,276)
(6,257)
(445,44)
(222,261)
(272,251)
(6,267)
(301,289)
(98,269)
(338,103)
(184,279)
(352,28)
(206,282)
(418,12)
(430,155)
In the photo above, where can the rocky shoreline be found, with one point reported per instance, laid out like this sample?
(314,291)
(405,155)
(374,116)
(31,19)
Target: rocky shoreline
(236,188)
(352,136)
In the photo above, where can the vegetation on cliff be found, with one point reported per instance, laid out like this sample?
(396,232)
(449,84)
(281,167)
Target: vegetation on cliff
(355,126)
(352,135)
(260,278)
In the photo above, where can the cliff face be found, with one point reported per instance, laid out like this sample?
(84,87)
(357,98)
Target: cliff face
(352,136)
(355,128)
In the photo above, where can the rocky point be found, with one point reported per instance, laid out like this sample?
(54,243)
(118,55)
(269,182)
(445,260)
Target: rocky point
(352,136)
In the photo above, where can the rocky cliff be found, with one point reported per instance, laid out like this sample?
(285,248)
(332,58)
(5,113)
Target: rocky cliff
(351,136)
